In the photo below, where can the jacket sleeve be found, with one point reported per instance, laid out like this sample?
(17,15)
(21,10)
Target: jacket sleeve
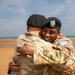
(58,56)
(20,41)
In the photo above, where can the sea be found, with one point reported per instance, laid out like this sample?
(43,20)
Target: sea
(11,38)
(8,38)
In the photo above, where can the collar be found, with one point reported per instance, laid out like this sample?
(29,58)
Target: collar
(30,34)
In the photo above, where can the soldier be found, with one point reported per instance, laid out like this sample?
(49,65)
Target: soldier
(55,55)
(50,32)
(34,24)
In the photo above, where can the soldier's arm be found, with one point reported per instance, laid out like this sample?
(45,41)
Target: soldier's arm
(50,55)
(13,66)
(25,50)
(57,57)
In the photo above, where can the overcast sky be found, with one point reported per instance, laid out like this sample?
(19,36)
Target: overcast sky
(14,14)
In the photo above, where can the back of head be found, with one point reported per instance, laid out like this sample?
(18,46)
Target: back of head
(36,20)
(52,22)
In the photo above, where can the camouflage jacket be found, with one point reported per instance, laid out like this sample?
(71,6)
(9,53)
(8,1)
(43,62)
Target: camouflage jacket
(42,50)
(27,67)
(60,58)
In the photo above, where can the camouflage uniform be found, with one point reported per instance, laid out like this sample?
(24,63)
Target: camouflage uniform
(61,61)
(28,67)
(53,54)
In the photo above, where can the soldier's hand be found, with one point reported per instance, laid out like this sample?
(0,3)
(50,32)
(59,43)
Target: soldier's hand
(14,67)
(25,50)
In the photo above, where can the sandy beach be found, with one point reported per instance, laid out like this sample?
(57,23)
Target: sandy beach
(7,48)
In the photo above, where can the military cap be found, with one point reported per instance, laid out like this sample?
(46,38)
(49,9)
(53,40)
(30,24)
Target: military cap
(52,22)
(36,20)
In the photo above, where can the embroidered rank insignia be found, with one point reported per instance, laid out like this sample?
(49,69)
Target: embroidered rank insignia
(52,23)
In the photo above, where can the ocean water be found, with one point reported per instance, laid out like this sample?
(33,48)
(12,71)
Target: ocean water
(72,37)
(8,38)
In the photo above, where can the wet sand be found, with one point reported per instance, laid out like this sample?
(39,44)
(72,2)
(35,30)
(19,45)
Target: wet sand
(7,48)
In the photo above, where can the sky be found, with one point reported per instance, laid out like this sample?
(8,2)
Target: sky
(14,15)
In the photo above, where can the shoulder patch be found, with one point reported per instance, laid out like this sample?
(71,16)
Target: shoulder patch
(63,43)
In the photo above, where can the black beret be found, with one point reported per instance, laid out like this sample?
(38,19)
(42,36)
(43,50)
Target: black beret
(36,20)
(52,22)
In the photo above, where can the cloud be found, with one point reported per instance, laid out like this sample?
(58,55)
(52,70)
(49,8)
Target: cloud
(14,6)
(14,14)
(12,28)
